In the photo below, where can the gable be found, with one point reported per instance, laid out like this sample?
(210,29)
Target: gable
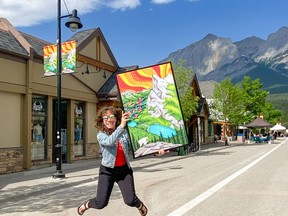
(202,109)
(93,56)
(196,87)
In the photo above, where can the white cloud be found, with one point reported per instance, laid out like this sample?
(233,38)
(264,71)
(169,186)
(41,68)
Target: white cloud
(26,13)
(34,12)
(122,4)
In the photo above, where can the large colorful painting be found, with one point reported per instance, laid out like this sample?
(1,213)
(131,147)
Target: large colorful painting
(150,96)
(68,50)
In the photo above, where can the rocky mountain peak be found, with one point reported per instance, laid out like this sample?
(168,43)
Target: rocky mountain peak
(276,44)
(214,58)
(210,37)
(249,46)
(280,35)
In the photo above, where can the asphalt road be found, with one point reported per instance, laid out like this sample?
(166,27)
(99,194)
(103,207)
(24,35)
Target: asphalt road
(239,179)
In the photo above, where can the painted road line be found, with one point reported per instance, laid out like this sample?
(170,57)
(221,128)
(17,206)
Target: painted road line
(194,202)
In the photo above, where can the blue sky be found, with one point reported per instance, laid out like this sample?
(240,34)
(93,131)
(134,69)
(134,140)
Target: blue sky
(145,32)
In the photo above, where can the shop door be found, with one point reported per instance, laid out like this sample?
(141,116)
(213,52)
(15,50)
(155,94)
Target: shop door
(191,134)
(63,123)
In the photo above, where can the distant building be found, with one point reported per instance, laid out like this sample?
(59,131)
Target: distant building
(200,120)
(207,88)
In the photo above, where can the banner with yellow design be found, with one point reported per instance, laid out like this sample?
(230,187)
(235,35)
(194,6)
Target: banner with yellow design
(68,50)
(150,97)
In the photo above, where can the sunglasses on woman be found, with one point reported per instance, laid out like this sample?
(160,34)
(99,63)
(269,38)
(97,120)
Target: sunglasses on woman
(106,117)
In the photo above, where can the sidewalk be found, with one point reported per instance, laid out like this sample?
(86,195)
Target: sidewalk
(27,183)
(77,166)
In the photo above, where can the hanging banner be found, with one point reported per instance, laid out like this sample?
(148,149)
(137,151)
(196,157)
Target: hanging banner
(150,96)
(68,50)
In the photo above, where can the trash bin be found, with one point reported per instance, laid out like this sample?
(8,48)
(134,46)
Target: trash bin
(240,138)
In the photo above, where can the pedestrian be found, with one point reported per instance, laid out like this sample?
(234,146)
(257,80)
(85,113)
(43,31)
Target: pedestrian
(115,167)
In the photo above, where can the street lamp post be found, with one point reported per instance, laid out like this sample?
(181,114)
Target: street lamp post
(199,132)
(73,23)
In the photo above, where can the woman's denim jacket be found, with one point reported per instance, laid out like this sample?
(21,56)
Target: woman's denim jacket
(108,146)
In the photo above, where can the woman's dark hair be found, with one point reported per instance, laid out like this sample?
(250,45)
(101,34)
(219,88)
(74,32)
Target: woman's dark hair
(99,120)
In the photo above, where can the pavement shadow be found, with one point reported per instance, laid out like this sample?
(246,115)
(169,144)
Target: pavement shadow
(46,172)
(55,200)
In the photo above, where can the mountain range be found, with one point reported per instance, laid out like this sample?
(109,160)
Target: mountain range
(215,58)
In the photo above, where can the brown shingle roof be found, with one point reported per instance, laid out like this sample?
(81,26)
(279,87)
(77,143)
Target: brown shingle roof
(81,36)
(109,89)
(258,122)
(8,43)
(36,43)
(207,88)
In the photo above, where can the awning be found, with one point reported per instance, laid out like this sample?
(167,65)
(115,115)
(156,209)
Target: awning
(278,127)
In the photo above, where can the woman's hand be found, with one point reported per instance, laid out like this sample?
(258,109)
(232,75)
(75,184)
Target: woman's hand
(161,152)
(124,119)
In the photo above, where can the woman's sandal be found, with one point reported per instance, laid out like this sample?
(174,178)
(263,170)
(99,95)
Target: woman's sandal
(142,209)
(86,207)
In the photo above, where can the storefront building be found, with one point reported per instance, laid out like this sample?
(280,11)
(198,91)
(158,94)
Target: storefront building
(200,127)
(29,100)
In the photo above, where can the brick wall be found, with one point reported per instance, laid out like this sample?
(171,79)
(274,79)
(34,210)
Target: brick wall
(11,160)
(92,152)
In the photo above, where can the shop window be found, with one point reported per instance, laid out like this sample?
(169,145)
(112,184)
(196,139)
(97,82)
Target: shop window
(79,124)
(210,128)
(38,128)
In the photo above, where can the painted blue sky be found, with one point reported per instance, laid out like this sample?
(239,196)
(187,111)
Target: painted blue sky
(143,32)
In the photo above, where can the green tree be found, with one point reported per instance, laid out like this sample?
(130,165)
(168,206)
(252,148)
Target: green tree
(280,102)
(228,101)
(183,77)
(272,114)
(254,97)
